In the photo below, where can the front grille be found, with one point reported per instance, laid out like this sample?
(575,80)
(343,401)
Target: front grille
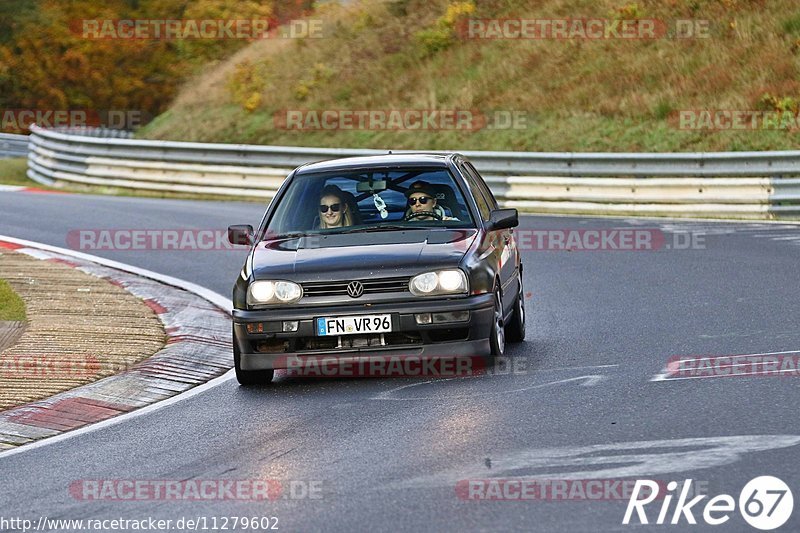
(271,346)
(448,334)
(371,286)
(357,341)
(349,342)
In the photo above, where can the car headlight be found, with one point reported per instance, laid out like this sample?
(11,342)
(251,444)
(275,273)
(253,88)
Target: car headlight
(439,282)
(273,292)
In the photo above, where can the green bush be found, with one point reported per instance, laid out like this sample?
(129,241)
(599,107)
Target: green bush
(247,84)
(442,34)
(791,25)
(663,110)
(768,102)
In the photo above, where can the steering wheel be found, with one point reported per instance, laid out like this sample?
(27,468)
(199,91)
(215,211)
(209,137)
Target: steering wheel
(420,214)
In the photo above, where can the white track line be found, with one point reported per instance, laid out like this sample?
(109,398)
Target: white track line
(382,395)
(213,297)
(573,368)
(764,373)
(588,381)
(714,357)
(665,374)
(121,418)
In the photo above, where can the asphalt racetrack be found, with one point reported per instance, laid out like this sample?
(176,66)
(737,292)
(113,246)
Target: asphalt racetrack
(585,397)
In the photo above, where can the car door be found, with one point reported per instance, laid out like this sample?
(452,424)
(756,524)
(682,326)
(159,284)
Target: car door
(508,258)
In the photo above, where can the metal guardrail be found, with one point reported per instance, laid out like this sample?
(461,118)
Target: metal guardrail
(12,145)
(92,131)
(727,184)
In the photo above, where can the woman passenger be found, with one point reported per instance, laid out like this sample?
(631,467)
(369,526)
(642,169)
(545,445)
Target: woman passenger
(333,209)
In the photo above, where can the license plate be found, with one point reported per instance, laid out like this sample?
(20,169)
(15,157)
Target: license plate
(352,325)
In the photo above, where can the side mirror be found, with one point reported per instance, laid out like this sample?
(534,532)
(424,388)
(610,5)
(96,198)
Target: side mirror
(241,235)
(502,219)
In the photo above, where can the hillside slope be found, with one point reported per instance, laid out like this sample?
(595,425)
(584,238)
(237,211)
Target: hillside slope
(53,56)
(576,94)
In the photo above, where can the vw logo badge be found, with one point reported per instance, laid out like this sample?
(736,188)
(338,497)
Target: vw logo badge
(355,289)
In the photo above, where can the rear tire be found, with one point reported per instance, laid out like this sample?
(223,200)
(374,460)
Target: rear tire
(515,332)
(249,377)
(497,337)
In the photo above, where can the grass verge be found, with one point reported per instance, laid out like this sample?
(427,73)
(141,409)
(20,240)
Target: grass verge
(12,172)
(12,308)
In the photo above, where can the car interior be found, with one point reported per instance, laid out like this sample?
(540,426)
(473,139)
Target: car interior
(379,196)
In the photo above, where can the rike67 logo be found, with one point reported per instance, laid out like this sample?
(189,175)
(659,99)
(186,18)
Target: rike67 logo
(765,503)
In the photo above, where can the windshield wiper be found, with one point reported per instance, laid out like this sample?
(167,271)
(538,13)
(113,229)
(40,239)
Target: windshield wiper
(288,235)
(385,227)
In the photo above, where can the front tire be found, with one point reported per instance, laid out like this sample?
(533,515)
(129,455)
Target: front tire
(249,377)
(515,332)
(497,337)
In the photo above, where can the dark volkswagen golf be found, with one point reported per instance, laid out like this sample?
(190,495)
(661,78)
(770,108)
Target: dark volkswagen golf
(370,257)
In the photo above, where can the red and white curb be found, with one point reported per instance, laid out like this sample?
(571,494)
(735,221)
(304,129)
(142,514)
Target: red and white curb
(198,349)
(20,188)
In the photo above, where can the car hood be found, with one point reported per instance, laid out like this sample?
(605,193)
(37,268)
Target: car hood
(360,255)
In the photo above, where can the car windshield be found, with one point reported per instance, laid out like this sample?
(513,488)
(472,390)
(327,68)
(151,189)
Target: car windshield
(370,200)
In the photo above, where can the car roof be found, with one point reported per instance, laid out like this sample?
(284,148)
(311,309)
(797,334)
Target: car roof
(409,159)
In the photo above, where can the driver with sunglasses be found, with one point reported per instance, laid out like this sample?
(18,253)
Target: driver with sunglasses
(422,203)
(333,209)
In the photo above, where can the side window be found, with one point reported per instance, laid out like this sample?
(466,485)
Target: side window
(477,193)
(482,184)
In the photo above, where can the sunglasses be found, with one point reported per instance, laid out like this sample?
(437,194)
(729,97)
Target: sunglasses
(334,207)
(422,200)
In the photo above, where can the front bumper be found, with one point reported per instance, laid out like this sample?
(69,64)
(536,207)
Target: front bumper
(276,349)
